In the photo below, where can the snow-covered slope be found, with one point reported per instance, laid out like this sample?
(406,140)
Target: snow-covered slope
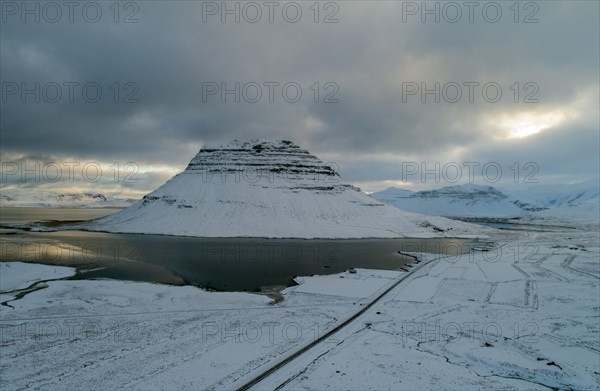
(456,201)
(563,202)
(263,188)
(32,198)
(549,196)
(573,203)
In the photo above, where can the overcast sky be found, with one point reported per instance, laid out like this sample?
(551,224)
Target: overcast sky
(161,76)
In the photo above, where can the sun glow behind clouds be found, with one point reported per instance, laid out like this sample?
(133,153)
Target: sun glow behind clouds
(528,123)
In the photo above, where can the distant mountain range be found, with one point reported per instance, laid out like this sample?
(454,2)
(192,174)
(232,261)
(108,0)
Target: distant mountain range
(31,198)
(569,201)
(275,189)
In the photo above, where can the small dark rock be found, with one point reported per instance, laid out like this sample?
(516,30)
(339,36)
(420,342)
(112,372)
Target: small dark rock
(552,363)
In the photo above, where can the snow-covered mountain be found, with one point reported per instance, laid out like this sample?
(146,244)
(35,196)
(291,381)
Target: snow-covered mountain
(549,196)
(32,198)
(578,202)
(565,202)
(263,188)
(455,201)
(391,194)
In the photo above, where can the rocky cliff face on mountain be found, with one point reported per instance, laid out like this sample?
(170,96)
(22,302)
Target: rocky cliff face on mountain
(254,161)
(264,188)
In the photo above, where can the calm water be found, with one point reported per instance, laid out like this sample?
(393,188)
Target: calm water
(225,264)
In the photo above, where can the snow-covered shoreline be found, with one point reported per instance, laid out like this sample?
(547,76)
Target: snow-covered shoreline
(468,235)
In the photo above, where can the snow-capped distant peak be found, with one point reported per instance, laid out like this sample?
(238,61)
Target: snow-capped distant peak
(466,189)
(35,198)
(470,200)
(455,201)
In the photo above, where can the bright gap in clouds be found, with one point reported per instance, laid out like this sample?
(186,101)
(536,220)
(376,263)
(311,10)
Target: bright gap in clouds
(529,123)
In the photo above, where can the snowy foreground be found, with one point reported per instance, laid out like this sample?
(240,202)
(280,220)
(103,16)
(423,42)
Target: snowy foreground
(523,315)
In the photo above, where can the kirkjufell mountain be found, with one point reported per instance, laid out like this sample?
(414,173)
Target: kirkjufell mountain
(272,189)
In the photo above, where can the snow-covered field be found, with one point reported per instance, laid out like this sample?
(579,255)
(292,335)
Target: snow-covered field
(523,315)
(19,275)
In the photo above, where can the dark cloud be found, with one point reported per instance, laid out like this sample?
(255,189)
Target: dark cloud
(171,53)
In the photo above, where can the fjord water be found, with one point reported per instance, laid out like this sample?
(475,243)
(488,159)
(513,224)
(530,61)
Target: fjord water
(230,264)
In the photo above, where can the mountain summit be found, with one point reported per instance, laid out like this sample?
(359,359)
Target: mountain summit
(265,188)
